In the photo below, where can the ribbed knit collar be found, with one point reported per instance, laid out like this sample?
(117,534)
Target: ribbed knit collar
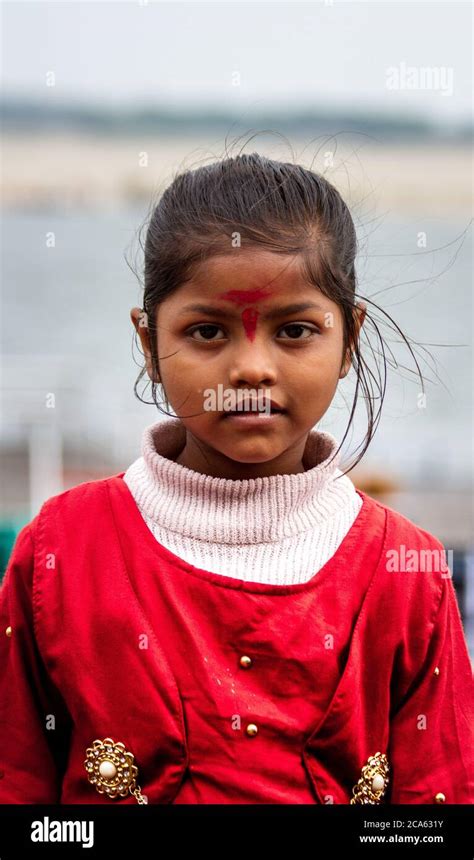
(229,511)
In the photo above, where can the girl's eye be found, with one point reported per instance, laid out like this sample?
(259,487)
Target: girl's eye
(209,329)
(204,328)
(300,326)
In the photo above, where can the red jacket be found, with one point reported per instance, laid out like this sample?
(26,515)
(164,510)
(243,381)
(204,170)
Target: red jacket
(222,690)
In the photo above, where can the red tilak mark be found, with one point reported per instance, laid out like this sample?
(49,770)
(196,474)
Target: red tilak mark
(249,315)
(249,322)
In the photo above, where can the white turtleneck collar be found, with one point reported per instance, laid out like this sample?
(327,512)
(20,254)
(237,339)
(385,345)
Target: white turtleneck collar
(277,529)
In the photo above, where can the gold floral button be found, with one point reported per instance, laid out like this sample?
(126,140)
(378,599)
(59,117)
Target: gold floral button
(251,730)
(440,797)
(245,662)
(373,781)
(111,770)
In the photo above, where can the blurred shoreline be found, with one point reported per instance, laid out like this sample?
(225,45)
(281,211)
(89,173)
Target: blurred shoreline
(62,171)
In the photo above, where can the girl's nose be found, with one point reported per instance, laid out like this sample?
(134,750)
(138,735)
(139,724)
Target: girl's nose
(253,365)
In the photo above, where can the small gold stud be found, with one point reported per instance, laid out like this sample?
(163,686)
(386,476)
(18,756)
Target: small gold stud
(245,662)
(440,797)
(251,730)
(436,671)
(8,631)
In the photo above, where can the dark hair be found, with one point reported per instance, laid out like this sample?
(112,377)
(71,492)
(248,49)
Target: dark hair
(276,206)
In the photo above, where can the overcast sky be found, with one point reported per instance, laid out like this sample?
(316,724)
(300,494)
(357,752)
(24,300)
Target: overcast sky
(279,53)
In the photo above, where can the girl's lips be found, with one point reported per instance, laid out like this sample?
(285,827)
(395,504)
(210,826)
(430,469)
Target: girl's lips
(253,419)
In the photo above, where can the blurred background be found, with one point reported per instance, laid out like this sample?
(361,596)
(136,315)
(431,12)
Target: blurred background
(104,102)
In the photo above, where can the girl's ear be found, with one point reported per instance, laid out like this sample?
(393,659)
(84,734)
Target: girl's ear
(140,321)
(360,312)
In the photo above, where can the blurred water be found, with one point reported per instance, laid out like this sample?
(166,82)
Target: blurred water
(66,329)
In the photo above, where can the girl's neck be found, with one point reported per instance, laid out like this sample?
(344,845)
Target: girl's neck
(204,507)
(277,530)
(196,456)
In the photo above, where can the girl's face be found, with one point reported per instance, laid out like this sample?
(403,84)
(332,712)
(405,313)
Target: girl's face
(248,336)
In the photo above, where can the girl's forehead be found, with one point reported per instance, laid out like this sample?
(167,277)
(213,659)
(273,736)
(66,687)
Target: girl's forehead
(249,262)
(248,277)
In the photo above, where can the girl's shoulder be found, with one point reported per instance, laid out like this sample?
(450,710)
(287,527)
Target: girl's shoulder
(414,569)
(398,525)
(83,493)
(83,507)
(84,498)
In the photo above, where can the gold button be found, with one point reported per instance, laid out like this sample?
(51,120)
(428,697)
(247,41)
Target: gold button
(436,671)
(8,631)
(440,797)
(251,730)
(245,662)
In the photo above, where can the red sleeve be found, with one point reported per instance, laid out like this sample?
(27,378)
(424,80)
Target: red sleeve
(32,751)
(431,731)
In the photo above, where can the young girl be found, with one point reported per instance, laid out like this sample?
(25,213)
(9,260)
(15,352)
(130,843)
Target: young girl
(229,620)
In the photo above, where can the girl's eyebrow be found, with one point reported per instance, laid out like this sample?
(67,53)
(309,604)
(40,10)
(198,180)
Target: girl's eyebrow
(210,310)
